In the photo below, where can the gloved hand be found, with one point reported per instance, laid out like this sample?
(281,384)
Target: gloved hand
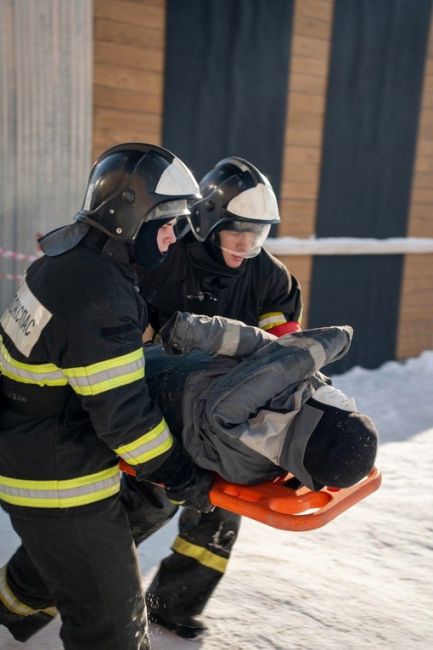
(184,482)
(193,492)
(171,343)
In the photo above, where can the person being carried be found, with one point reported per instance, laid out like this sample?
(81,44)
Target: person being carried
(252,407)
(74,399)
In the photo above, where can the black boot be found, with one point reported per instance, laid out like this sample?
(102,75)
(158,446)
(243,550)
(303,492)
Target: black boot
(23,627)
(189,628)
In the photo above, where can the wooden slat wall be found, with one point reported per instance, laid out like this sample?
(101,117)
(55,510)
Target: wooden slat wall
(416,307)
(309,63)
(129,44)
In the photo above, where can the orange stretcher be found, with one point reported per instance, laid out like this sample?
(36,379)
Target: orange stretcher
(280,506)
(276,504)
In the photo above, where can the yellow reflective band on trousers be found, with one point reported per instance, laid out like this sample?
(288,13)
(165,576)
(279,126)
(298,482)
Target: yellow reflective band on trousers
(11,602)
(106,375)
(43,374)
(61,494)
(271,319)
(150,445)
(201,554)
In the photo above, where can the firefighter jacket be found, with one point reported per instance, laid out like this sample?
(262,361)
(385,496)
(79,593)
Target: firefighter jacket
(74,395)
(244,414)
(195,278)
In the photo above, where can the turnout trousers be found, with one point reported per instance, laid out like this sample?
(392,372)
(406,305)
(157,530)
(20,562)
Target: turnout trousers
(84,561)
(186,578)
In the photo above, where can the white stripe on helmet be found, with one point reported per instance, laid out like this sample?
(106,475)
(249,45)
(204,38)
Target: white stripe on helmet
(258,202)
(177,180)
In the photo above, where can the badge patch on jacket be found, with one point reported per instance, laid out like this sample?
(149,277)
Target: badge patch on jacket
(24,319)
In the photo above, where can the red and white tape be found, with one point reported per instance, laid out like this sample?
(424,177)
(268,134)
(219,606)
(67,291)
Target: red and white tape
(20,257)
(12,255)
(16,277)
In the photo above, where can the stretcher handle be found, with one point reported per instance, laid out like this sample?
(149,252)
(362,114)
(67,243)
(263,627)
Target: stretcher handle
(280,506)
(276,504)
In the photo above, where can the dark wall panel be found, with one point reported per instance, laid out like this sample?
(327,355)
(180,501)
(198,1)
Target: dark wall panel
(226,77)
(375,82)
(361,291)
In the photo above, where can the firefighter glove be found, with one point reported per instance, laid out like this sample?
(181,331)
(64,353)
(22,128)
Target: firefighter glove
(193,492)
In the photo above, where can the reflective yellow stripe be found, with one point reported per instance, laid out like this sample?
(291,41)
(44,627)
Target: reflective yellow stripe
(108,364)
(106,375)
(109,384)
(86,380)
(202,555)
(11,602)
(61,494)
(271,319)
(150,445)
(43,374)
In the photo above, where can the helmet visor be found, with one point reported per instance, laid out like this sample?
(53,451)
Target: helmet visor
(242,238)
(168,210)
(175,211)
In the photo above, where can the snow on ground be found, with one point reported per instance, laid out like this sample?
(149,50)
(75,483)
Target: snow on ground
(363,581)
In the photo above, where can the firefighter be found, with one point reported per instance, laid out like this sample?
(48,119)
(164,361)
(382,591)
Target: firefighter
(75,400)
(220,269)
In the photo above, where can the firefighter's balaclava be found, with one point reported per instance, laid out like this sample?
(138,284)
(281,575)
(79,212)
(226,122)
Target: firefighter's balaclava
(236,197)
(129,186)
(146,249)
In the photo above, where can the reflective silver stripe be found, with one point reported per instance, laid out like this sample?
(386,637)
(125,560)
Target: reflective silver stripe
(230,340)
(270,320)
(106,375)
(57,494)
(11,602)
(41,374)
(87,380)
(148,446)
(60,494)
(316,350)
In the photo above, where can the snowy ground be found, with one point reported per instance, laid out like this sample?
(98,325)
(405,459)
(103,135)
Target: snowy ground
(362,581)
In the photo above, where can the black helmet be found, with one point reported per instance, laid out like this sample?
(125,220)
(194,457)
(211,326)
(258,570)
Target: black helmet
(128,185)
(236,196)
